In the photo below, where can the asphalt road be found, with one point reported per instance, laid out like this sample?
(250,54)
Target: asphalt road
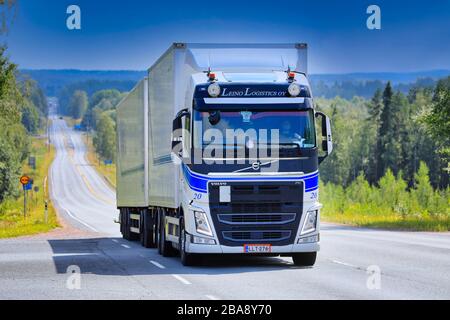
(411,265)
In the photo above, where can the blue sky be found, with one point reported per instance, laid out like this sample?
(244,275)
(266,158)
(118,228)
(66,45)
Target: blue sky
(131,34)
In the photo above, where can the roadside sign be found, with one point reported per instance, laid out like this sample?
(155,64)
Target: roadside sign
(24,179)
(106,162)
(36,189)
(28,186)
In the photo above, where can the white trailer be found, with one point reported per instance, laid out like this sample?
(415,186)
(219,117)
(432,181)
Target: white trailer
(173,193)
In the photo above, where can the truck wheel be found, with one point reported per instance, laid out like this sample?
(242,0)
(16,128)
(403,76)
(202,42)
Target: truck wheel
(165,247)
(187,259)
(306,259)
(146,233)
(155,230)
(124,224)
(158,230)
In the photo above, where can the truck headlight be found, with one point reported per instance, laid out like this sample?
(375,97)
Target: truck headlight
(310,222)
(202,224)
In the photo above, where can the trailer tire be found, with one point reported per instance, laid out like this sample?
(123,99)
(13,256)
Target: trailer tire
(305,259)
(146,230)
(165,247)
(187,259)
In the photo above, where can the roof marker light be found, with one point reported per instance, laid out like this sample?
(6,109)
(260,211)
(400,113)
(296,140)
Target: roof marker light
(211,76)
(291,76)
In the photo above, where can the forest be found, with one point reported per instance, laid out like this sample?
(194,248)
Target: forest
(23,113)
(391,161)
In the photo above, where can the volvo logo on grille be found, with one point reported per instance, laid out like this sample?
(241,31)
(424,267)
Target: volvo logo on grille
(256,165)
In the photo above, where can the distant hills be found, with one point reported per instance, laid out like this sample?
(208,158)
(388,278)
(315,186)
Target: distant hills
(52,81)
(394,77)
(327,85)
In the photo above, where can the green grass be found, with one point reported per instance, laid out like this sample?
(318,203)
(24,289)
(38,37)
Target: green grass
(389,221)
(12,220)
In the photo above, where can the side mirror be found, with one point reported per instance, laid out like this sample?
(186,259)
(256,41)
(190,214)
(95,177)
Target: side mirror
(327,139)
(177,132)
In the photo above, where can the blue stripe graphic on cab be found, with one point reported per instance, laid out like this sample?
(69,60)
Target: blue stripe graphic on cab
(200,183)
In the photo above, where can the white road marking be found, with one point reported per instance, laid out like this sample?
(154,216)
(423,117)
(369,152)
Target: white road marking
(159,265)
(73,254)
(80,221)
(114,240)
(125,246)
(344,264)
(210,297)
(181,279)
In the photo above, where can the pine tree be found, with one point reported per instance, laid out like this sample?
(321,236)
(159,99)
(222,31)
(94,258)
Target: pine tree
(375,108)
(383,129)
(388,142)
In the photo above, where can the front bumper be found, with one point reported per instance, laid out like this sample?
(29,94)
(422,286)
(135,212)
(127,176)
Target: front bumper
(219,249)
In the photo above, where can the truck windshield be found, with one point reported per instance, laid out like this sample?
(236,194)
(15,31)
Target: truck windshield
(272,129)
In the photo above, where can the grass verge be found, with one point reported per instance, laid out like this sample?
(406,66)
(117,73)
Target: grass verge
(107,171)
(12,220)
(390,222)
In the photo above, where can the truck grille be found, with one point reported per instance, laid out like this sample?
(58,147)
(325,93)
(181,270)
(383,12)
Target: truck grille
(252,235)
(256,207)
(256,218)
(259,212)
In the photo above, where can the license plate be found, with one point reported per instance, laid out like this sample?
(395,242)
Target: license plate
(257,248)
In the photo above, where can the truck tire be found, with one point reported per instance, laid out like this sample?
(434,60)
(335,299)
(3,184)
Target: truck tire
(146,229)
(165,247)
(124,224)
(155,230)
(126,232)
(187,259)
(158,230)
(305,259)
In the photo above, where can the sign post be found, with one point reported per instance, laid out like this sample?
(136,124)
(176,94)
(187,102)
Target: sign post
(27,185)
(46,211)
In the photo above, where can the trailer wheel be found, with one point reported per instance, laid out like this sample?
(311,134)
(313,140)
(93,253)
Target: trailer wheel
(306,259)
(187,259)
(146,232)
(165,247)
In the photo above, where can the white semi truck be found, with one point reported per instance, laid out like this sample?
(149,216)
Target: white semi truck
(217,153)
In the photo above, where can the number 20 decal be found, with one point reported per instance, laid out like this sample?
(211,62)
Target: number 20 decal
(313,195)
(197,196)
